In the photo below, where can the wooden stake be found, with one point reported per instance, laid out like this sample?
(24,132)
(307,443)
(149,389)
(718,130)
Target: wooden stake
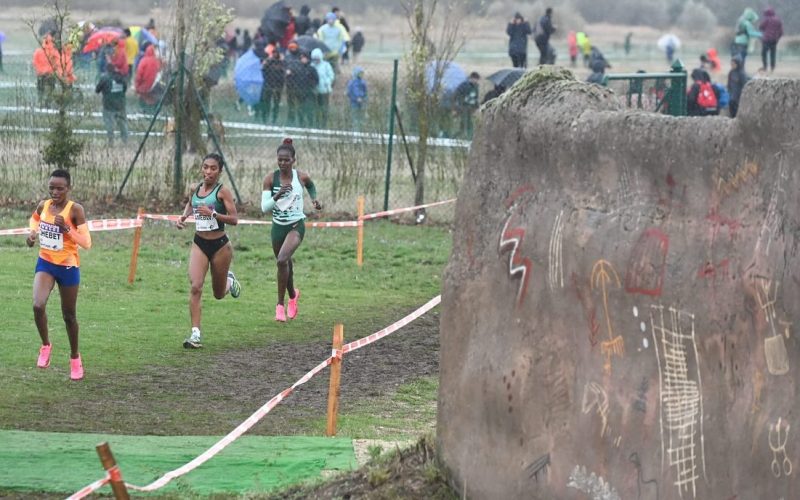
(110,465)
(333,387)
(360,244)
(137,240)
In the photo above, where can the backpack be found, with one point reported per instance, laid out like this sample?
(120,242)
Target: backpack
(723,97)
(706,97)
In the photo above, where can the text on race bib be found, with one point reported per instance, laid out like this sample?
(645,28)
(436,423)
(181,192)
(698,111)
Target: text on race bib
(50,236)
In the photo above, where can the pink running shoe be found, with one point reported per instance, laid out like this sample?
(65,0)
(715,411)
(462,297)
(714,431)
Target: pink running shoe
(280,313)
(291,309)
(44,356)
(76,368)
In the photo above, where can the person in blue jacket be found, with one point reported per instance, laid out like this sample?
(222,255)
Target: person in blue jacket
(357,94)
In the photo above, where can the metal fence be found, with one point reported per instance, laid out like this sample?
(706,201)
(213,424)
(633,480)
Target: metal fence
(346,150)
(657,92)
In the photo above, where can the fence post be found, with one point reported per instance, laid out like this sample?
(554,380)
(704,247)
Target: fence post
(137,240)
(336,372)
(392,107)
(360,238)
(115,476)
(677,105)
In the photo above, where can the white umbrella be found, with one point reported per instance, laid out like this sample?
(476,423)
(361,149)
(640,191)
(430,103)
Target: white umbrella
(668,40)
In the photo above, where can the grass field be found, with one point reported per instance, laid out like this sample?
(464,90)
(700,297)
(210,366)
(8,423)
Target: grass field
(140,380)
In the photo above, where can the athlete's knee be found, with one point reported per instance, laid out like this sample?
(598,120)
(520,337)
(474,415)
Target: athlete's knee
(197,289)
(39,307)
(69,317)
(220,294)
(284,261)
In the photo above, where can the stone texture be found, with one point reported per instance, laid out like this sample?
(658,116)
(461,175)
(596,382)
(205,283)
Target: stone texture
(620,308)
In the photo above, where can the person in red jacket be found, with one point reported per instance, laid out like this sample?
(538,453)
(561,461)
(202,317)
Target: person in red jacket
(772,30)
(146,82)
(119,58)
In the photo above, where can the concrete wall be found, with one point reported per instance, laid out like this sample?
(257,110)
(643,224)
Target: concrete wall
(620,311)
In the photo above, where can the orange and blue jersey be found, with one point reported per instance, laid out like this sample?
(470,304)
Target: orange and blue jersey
(53,246)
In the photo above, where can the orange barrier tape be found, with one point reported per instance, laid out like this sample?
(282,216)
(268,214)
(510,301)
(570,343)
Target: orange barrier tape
(272,403)
(89,489)
(94,225)
(114,474)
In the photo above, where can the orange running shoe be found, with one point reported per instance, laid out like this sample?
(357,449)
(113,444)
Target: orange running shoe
(280,313)
(76,368)
(291,310)
(44,356)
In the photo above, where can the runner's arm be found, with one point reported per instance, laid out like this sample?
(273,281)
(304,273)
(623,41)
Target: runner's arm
(81,236)
(232,217)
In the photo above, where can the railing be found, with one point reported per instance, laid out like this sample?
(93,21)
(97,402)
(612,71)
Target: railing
(658,92)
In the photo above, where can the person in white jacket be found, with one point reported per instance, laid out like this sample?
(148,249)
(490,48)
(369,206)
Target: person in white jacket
(324,87)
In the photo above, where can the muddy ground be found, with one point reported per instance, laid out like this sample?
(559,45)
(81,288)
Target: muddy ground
(214,395)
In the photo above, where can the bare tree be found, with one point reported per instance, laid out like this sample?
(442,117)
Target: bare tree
(56,37)
(199,26)
(435,42)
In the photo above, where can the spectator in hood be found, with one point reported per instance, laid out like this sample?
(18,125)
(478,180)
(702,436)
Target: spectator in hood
(118,60)
(302,23)
(745,31)
(357,95)
(147,82)
(333,35)
(598,75)
(518,31)
(736,81)
(772,31)
(325,78)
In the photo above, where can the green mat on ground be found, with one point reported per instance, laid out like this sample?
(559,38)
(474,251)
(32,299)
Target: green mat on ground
(64,463)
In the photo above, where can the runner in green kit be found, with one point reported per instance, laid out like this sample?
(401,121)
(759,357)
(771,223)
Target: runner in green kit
(283,195)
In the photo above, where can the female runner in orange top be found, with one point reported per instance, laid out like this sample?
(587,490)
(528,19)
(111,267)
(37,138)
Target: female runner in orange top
(60,225)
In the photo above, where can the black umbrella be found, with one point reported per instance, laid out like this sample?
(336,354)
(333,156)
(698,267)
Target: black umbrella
(506,77)
(275,20)
(308,43)
(49,25)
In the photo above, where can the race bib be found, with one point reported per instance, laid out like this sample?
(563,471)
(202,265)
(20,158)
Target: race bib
(286,202)
(204,222)
(50,236)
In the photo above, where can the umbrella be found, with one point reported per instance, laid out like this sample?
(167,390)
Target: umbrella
(143,35)
(98,39)
(506,77)
(248,78)
(308,43)
(668,40)
(452,76)
(49,25)
(2,37)
(275,20)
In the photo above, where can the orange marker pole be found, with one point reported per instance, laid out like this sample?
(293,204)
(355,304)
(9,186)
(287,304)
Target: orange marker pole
(110,465)
(333,387)
(360,244)
(137,240)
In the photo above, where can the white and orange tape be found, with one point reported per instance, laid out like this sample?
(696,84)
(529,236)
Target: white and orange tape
(268,406)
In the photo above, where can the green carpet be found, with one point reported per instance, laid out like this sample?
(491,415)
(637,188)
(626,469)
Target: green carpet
(64,463)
